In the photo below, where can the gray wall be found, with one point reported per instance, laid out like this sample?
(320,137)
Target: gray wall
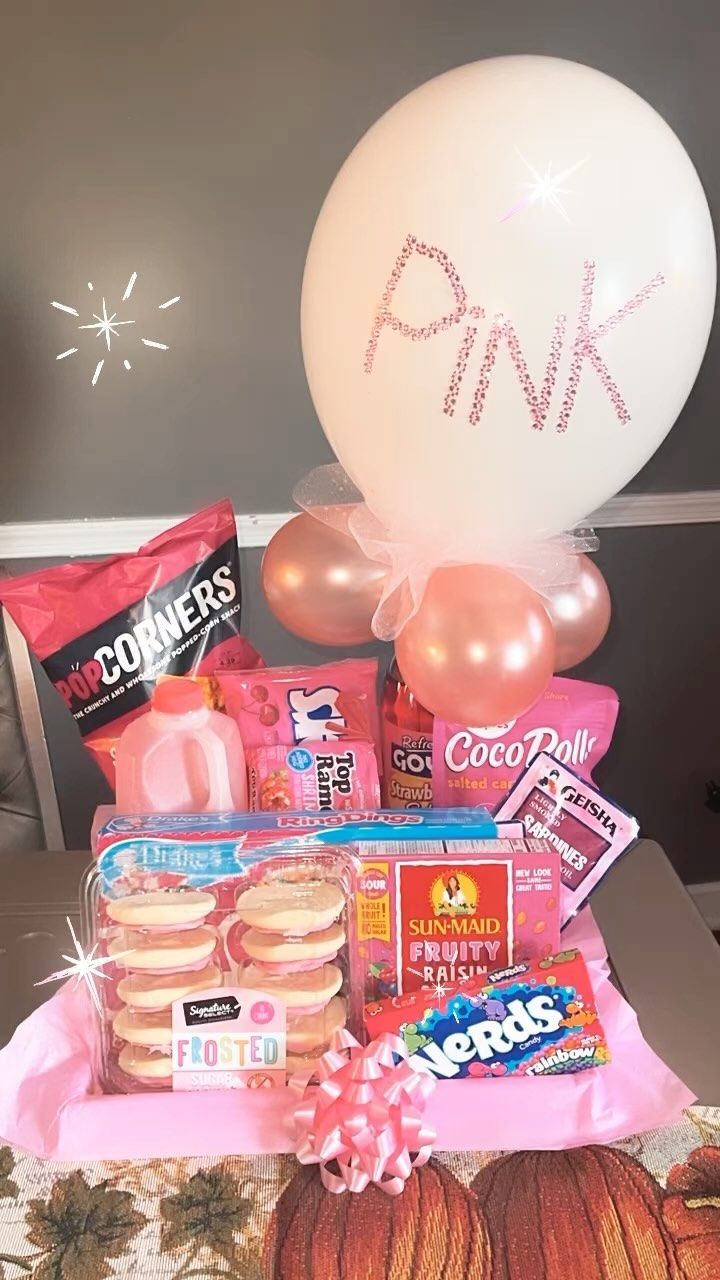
(194,143)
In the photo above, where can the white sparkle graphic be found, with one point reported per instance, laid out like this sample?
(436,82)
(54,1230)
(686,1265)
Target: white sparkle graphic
(62,307)
(439,991)
(106,325)
(83,968)
(545,189)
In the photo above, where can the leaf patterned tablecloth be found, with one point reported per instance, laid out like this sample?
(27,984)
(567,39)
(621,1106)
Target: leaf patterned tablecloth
(644,1209)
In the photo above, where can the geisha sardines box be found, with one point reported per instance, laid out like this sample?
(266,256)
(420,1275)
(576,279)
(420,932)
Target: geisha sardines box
(228,968)
(532,1019)
(589,831)
(441,911)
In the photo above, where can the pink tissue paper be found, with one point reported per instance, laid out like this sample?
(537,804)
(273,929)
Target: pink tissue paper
(48,1104)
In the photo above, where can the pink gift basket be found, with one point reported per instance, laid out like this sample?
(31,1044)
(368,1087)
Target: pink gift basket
(52,1101)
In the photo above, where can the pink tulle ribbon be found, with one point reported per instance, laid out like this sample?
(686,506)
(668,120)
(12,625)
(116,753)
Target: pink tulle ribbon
(328,494)
(364,1116)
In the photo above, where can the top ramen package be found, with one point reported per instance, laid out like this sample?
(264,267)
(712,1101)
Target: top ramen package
(287,706)
(316,777)
(106,630)
(573,721)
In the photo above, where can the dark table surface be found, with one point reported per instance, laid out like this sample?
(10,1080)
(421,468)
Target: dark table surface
(667,962)
(664,957)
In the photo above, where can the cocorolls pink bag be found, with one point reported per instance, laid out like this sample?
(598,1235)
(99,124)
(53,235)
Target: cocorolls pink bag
(573,721)
(47,1103)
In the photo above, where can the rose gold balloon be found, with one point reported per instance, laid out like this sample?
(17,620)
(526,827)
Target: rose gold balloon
(319,584)
(480,649)
(580,615)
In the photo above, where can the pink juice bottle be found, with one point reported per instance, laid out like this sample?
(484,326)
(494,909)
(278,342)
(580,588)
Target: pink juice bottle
(180,757)
(407,730)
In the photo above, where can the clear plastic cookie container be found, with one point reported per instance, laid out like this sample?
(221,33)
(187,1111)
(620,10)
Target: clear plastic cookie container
(228,968)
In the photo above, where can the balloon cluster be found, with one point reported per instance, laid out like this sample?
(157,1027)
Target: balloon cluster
(506,301)
(482,645)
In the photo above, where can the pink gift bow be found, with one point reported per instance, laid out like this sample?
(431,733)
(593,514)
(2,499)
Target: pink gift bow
(328,494)
(364,1114)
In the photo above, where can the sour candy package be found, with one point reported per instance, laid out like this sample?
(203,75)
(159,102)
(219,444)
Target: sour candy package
(527,1020)
(573,720)
(288,706)
(316,776)
(588,831)
(106,630)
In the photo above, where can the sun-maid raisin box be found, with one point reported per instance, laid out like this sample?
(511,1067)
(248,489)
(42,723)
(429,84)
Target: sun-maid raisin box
(438,912)
(106,630)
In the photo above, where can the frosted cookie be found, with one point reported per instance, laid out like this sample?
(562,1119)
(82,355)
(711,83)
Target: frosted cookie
(278,953)
(143,1064)
(144,1027)
(175,950)
(300,992)
(295,907)
(158,990)
(312,1033)
(163,908)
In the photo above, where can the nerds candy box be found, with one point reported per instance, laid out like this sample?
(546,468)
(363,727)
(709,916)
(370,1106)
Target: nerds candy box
(532,1019)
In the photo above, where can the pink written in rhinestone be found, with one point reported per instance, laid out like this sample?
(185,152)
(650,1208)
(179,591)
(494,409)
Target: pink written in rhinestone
(384,315)
(584,346)
(502,329)
(538,405)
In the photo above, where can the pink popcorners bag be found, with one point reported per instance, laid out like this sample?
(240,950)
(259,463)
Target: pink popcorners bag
(47,1105)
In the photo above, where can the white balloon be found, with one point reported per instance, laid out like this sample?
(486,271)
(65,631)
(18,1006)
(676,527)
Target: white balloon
(506,301)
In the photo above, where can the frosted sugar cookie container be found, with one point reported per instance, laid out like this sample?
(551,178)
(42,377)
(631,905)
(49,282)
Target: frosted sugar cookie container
(294,940)
(226,968)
